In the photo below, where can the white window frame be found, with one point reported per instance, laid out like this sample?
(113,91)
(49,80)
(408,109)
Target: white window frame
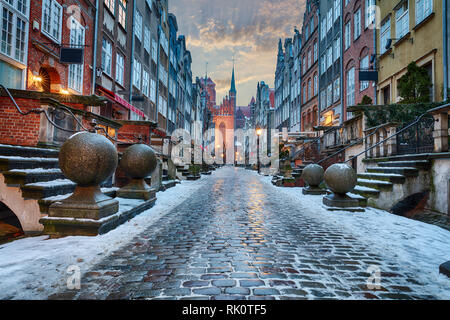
(357,24)
(423,9)
(385,34)
(107,56)
(138,25)
(137,72)
(120,68)
(402,20)
(9,47)
(348,35)
(147,40)
(53,5)
(76,71)
(337,9)
(145,83)
(369,13)
(110,4)
(351,87)
(122,13)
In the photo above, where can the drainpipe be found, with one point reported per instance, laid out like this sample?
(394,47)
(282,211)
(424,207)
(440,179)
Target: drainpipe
(341,118)
(130,96)
(375,64)
(445,46)
(94,54)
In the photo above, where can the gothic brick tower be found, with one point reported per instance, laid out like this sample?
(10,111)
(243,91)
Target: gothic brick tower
(223,118)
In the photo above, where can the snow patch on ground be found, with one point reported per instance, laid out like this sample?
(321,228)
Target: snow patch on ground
(417,246)
(36,267)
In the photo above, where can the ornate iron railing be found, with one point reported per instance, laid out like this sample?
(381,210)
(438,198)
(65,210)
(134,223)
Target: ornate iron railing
(418,138)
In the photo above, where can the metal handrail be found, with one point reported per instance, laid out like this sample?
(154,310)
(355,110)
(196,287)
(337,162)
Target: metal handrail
(400,131)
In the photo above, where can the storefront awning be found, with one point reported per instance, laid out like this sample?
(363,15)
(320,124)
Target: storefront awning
(122,102)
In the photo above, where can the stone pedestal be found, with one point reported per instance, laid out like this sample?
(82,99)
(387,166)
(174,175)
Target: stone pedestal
(445,268)
(86,203)
(440,133)
(137,189)
(313,190)
(341,202)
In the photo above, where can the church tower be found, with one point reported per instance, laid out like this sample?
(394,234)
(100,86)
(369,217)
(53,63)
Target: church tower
(232,93)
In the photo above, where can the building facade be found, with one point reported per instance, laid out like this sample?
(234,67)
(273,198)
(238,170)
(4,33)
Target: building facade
(283,77)
(359,50)
(330,77)
(52,27)
(309,64)
(296,79)
(15,45)
(409,31)
(113,59)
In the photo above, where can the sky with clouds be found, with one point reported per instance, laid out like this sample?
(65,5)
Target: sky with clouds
(216,30)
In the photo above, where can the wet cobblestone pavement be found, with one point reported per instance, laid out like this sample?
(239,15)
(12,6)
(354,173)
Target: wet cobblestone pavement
(239,239)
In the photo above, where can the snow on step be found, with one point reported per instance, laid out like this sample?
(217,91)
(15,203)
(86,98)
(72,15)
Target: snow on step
(391,168)
(57,182)
(37,170)
(17,158)
(370,181)
(397,175)
(365,189)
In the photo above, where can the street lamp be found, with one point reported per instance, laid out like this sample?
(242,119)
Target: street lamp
(258,133)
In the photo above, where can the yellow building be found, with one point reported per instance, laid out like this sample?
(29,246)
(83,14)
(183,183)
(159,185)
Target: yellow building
(409,30)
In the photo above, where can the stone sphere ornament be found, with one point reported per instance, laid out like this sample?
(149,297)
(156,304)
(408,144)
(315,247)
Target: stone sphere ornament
(138,161)
(313,175)
(88,159)
(341,178)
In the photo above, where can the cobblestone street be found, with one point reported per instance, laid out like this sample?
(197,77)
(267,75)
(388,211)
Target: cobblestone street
(238,238)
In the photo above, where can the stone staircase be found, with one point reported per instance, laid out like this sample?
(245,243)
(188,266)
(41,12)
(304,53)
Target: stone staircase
(30,181)
(389,181)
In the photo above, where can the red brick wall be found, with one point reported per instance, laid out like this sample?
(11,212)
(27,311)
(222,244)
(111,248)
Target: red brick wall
(37,58)
(357,50)
(132,131)
(15,128)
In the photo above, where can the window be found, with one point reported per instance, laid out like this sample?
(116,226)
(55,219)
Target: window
(137,74)
(337,9)
(52,19)
(385,34)
(323,29)
(316,84)
(14,26)
(329,95)
(123,13)
(311,25)
(110,5)
(315,52)
(147,39)
(154,50)
(347,35)
(106,56)
(119,68)
(351,87)
(337,48)
(323,64)
(305,67)
(138,25)
(402,20)
(309,59)
(145,83)
(329,57)
(423,9)
(153,90)
(337,89)
(323,99)
(309,89)
(364,65)
(370,12)
(357,24)
(75,78)
(329,19)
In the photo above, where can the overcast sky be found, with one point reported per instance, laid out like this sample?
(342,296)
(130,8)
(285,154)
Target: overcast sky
(248,29)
